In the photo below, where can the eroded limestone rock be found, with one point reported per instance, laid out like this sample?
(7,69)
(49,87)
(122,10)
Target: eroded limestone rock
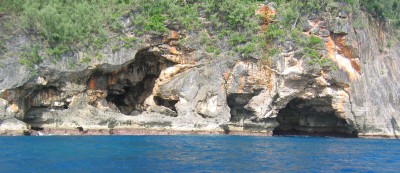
(160,85)
(13,126)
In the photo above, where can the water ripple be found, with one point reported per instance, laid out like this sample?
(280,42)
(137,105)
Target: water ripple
(197,154)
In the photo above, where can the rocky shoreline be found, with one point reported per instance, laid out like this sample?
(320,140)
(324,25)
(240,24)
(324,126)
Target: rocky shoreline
(91,132)
(149,132)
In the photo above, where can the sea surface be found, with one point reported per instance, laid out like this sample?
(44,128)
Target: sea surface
(187,153)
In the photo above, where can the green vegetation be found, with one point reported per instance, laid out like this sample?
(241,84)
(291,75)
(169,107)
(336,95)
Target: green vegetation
(290,12)
(311,49)
(287,28)
(86,59)
(68,25)
(115,48)
(129,42)
(247,49)
(387,10)
(2,47)
(275,32)
(213,49)
(30,57)
(273,51)
(63,26)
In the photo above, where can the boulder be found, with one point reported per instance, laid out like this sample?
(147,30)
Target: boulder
(13,126)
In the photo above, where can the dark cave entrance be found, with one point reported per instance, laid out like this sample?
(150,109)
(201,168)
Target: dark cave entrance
(312,117)
(237,103)
(43,99)
(129,87)
(128,96)
(166,103)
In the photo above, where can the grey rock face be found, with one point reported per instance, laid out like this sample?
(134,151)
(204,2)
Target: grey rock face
(161,86)
(306,26)
(340,26)
(13,75)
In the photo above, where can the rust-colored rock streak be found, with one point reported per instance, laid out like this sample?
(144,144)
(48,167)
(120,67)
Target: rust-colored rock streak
(269,75)
(343,57)
(92,84)
(344,50)
(112,80)
(266,14)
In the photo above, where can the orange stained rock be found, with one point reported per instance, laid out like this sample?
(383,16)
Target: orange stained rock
(343,58)
(330,46)
(178,59)
(14,108)
(172,50)
(346,52)
(92,83)
(173,35)
(269,74)
(266,14)
(94,95)
(242,80)
(226,76)
(173,43)
(112,80)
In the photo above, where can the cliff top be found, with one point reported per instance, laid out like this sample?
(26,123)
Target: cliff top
(56,28)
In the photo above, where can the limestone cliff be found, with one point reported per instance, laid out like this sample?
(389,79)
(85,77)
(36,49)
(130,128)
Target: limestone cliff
(159,85)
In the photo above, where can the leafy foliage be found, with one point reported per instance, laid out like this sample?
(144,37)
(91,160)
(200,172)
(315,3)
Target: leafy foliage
(69,25)
(385,10)
(31,57)
(2,47)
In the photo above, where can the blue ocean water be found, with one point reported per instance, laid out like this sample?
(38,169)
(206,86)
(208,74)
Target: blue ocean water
(197,154)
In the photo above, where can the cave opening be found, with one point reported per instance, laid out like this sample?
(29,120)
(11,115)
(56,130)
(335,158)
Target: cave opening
(47,97)
(237,103)
(312,117)
(41,100)
(166,103)
(129,87)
